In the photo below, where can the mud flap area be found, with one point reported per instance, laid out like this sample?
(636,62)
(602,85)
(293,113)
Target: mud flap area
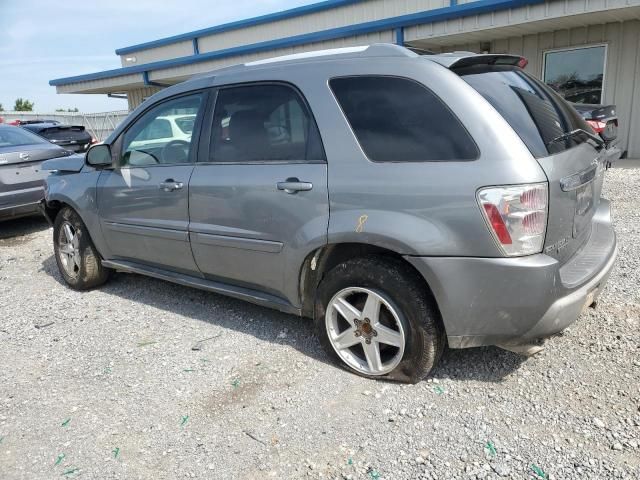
(42,208)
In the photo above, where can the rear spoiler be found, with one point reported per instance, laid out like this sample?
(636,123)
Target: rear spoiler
(457,60)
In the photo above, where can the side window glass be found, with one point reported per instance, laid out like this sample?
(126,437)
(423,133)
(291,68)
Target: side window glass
(163,134)
(263,123)
(399,120)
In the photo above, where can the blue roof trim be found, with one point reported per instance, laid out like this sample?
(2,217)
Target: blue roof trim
(270,17)
(429,16)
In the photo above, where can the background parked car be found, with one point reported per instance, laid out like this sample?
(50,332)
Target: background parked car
(604,121)
(602,118)
(69,137)
(29,122)
(21,178)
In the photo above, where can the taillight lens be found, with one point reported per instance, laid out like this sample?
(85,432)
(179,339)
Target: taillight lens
(597,126)
(516,216)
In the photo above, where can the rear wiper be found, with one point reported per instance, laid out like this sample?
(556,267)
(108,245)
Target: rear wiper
(578,131)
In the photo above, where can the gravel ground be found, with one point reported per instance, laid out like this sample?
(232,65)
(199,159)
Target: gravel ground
(113,388)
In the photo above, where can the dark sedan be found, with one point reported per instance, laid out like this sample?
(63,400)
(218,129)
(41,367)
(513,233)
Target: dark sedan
(69,137)
(21,178)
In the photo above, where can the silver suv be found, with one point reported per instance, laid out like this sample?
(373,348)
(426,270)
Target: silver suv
(403,202)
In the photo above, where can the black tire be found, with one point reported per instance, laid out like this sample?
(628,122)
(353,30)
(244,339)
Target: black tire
(417,311)
(88,272)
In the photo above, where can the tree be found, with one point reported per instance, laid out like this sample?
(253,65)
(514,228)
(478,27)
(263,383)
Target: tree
(71,110)
(23,105)
(1,109)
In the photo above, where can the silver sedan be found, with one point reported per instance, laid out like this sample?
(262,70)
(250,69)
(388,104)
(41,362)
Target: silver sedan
(21,175)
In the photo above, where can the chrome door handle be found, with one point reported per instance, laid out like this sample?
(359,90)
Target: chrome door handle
(293,185)
(169,185)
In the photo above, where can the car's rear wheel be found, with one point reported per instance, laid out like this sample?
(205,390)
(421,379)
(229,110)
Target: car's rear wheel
(78,260)
(376,318)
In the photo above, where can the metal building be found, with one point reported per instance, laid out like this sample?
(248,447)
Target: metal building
(588,50)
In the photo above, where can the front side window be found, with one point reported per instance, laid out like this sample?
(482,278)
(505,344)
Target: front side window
(163,134)
(263,123)
(399,120)
(576,74)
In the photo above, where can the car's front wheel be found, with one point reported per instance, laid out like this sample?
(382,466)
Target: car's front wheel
(77,258)
(375,317)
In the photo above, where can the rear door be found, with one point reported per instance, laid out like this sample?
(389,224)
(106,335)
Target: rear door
(144,202)
(573,164)
(258,198)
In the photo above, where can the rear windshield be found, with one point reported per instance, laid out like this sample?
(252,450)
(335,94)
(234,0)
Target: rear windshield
(17,137)
(537,114)
(61,133)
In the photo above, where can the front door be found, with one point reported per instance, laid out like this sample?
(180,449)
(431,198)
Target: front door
(144,202)
(258,202)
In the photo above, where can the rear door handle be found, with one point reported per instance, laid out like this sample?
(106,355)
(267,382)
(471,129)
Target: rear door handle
(293,185)
(169,185)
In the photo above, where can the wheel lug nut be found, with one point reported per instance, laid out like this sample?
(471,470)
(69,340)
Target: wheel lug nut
(368,341)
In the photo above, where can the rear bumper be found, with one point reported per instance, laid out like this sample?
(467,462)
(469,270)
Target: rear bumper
(511,301)
(77,147)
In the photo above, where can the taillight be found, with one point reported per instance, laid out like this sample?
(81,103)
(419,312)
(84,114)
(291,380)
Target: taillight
(516,216)
(597,126)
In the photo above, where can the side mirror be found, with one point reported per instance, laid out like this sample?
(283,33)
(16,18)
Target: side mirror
(99,156)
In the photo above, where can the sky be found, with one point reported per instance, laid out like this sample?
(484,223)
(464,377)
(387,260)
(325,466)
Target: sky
(45,39)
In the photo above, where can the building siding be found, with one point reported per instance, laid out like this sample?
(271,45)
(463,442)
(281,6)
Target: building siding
(187,71)
(113,84)
(175,50)
(338,17)
(136,97)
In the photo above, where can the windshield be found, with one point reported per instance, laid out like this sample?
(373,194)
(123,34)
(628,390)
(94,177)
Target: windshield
(17,137)
(537,114)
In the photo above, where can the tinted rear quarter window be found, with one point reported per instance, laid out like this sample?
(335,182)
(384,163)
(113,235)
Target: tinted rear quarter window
(400,120)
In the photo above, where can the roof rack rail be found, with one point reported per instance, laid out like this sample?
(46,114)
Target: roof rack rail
(373,50)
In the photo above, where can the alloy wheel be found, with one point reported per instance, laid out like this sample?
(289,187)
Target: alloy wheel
(364,329)
(69,249)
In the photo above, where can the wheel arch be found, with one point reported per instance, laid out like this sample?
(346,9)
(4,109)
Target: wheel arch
(323,259)
(54,205)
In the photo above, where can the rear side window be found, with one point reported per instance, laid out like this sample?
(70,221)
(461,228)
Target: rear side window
(399,120)
(262,123)
(536,113)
